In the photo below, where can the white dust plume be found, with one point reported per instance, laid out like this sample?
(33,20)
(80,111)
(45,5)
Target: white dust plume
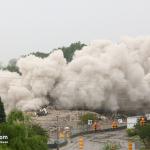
(103,75)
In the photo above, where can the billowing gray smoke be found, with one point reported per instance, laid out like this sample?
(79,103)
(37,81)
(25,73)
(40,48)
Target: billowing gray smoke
(101,75)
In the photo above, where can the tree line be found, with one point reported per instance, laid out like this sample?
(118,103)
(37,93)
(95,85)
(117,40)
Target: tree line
(68,53)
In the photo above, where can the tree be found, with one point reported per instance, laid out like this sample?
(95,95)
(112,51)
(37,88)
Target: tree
(16,116)
(131,132)
(1,65)
(68,53)
(39,54)
(70,50)
(2,112)
(144,133)
(22,134)
(12,67)
(88,116)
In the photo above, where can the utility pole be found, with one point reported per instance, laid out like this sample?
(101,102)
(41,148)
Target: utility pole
(57,134)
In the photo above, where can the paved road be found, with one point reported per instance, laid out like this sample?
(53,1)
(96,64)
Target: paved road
(97,141)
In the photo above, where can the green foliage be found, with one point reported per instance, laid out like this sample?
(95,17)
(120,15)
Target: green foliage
(144,133)
(37,129)
(88,116)
(69,51)
(22,135)
(40,54)
(110,146)
(12,67)
(15,116)
(131,132)
(4,147)
(37,143)
(2,112)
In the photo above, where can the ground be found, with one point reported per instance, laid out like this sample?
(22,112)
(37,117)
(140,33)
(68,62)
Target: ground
(97,141)
(67,118)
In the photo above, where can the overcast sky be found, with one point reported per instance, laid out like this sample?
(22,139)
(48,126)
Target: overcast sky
(41,25)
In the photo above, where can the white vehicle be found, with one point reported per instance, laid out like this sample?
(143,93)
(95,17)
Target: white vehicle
(132,121)
(147,116)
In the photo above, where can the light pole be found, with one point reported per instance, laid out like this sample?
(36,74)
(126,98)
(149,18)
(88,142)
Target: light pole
(57,134)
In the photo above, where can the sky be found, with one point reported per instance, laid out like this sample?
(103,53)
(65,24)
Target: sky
(42,25)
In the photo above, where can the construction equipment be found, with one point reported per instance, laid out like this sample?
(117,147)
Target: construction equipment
(42,112)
